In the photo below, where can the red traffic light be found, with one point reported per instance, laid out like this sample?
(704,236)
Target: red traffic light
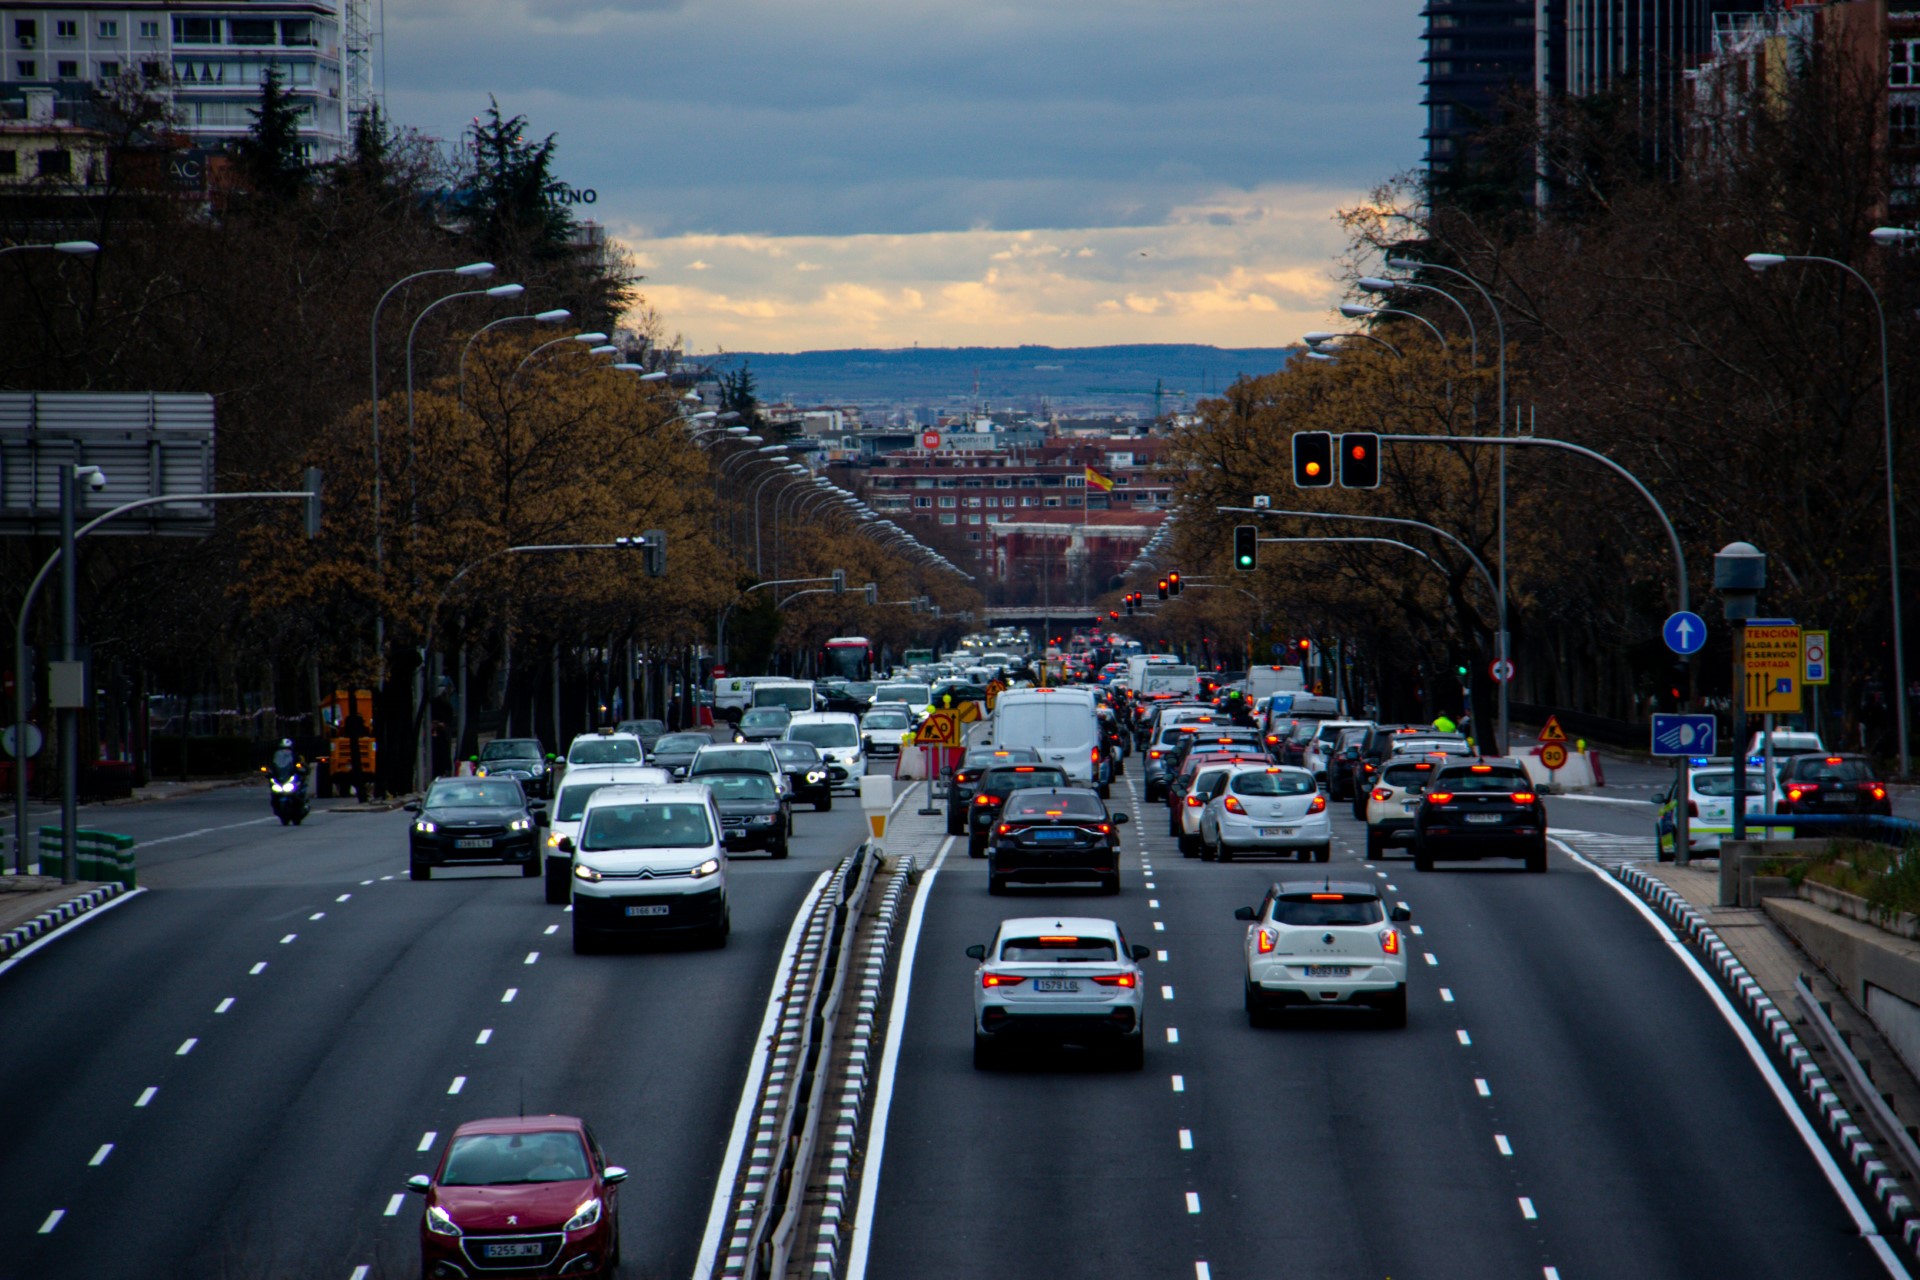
(1305,645)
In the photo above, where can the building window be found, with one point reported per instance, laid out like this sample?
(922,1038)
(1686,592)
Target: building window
(1029,502)
(196,31)
(923,482)
(109,71)
(1903,64)
(150,71)
(973,520)
(973,537)
(946,502)
(993,502)
(1003,482)
(9,162)
(251,31)
(66,29)
(923,502)
(297,33)
(69,69)
(974,484)
(1903,124)
(56,163)
(149,30)
(1053,502)
(949,484)
(25,32)
(1029,482)
(27,69)
(949,519)
(973,502)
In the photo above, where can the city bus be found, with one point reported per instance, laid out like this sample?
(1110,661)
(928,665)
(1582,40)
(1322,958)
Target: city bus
(848,657)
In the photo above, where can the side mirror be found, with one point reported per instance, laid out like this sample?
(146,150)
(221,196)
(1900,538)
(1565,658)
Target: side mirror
(1139,952)
(540,818)
(1399,913)
(420,1182)
(411,806)
(1244,913)
(977,951)
(566,844)
(1121,819)
(613,1174)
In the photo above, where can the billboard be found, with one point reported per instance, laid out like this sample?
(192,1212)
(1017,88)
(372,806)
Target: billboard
(147,444)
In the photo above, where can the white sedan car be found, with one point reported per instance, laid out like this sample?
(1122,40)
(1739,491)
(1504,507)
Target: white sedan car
(1325,942)
(1071,980)
(1185,817)
(1270,809)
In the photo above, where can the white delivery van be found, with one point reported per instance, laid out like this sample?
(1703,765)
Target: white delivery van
(1061,725)
(1264,681)
(1172,677)
(796,696)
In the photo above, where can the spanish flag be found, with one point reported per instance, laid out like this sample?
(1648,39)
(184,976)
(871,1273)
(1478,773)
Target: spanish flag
(1097,481)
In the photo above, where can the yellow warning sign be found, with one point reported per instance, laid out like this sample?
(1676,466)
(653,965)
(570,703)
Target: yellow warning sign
(1553,732)
(939,729)
(1772,657)
(968,711)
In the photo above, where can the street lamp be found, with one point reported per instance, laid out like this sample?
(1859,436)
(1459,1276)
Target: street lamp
(73,248)
(1358,311)
(1380,284)
(554,316)
(591,337)
(1319,336)
(1760,262)
(497,291)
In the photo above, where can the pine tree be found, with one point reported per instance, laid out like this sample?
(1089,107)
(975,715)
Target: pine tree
(269,154)
(738,395)
(512,191)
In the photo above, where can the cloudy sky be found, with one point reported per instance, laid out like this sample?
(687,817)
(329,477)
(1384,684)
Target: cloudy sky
(803,174)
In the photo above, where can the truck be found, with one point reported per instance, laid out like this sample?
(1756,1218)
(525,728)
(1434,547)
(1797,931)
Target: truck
(352,751)
(1138,663)
(1169,677)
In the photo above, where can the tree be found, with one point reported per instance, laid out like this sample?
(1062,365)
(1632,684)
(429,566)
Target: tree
(269,154)
(737,395)
(511,190)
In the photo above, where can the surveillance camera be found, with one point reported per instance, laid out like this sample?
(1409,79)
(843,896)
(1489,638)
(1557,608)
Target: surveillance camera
(1261,502)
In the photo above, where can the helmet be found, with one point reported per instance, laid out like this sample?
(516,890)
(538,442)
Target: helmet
(287,743)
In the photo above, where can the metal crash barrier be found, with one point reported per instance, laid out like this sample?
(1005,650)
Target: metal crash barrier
(98,855)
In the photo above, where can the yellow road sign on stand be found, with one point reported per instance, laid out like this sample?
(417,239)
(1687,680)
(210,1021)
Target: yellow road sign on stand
(1553,755)
(939,729)
(1771,654)
(968,711)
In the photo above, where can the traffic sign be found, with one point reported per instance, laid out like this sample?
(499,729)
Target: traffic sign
(1813,653)
(1770,652)
(1502,669)
(1684,632)
(34,740)
(1553,755)
(1684,735)
(939,729)
(929,439)
(1553,732)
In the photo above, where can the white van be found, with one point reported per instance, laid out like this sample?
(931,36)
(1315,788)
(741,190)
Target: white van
(649,860)
(1061,725)
(796,696)
(837,736)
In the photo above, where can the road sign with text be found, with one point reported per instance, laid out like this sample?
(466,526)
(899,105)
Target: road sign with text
(1770,652)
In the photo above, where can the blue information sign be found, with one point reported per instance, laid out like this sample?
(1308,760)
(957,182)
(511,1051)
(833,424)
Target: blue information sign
(1684,632)
(1675,735)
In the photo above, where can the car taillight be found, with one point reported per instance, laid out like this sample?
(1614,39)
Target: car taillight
(1265,941)
(1001,979)
(1271,738)
(983,798)
(1390,941)
(1096,755)
(1439,797)
(1155,755)
(1524,797)
(1381,793)
(1879,792)
(1795,793)
(1234,806)
(1368,767)
(1114,979)
(1006,828)
(1319,805)
(1193,801)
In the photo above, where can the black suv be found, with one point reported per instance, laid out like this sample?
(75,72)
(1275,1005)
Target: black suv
(465,821)
(753,811)
(1832,784)
(1480,809)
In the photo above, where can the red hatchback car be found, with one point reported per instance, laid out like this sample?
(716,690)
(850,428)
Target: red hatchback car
(528,1196)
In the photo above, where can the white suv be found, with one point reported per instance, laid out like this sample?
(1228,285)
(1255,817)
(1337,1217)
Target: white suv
(837,735)
(571,802)
(1394,799)
(1271,809)
(1070,980)
(649,860)
(1319,942)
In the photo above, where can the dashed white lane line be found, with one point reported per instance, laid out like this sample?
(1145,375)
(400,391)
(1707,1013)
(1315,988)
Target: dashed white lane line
(146,1096)
(553,928)
(484,1036)
(1173,1035)
(1166,993)
(393,1205)
(1161,956)
(1159,927)
(459,1083)
(224,1005)
(289,938)
(426,1140)
(1417,930)
(1201,1272)
(343,897)
(53,1220)
(366,882)
(100,1156)
(1446,995)
(1500,1142)
(1394,887)
(1193,1202)
(1482,1088)
(186,1046)
(1465,1039)
(531,957)
(511,993)
(1381,874)
(318,915)
(1179,1084)
(1186,1139)
(1551,1273)
(1151,885)
(386,877)
(1526,1209)
(362,1271)
(1153,904)
(258,969)
(1431,958)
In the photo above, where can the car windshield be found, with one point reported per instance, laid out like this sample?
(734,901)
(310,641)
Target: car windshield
(646,826)
(675,743)
(511,749)
(1492,780)
(515,1159)
(796,753)
(861,689)
(730,761)
(914,695)
(833,734)
(1004,780)
(886,720)
(1412,777)
(1058,949)
(766,718)
(740,786)
(605,751)
(573,801)
(1262,783)
(1716,784)
(474,793)
(1327,909)
(643,729)
(1056,806)
(793,697)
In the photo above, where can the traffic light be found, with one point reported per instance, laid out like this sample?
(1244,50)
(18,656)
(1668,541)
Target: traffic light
(873,593)
(313,481)
(1173,582)
(1312,459)
(839,582)
(1360,460)
(1306,645)
(1163,588)
(1246,546)
(1461,670)
(656,552)
(1113,615)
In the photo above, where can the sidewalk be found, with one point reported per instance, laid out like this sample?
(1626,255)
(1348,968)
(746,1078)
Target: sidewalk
(33,905)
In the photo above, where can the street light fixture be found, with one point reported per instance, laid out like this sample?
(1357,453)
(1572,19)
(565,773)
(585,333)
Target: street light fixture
(73,248)
(554,316)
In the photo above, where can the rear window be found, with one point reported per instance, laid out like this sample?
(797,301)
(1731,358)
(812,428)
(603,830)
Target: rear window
(796,753)
(1413,777)
(1818,770)
(1716,784)
(886,720)
(730,761)
(608,751)
(1023,779)
(1493,780)
(646,826)
(792,697)
(1065,949)
(677,742)
(1055,806)
(573,801)
(1311,914)
(741,786)
(914,695)
(1262,783)
(760,716)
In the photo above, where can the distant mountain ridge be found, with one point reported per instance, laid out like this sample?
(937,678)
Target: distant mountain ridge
(1103,379)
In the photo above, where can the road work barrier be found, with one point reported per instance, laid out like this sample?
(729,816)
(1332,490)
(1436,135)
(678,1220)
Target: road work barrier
(101,856)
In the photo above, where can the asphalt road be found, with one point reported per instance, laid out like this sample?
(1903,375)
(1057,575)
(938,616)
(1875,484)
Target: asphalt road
(232,1075)
(1565,1102)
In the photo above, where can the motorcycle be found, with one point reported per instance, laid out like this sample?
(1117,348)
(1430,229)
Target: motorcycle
(287,785)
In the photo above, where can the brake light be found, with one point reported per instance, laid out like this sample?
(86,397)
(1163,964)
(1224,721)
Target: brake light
(1327,897)
(1114,979)
(1879,792)
(1390,941)
(1193,802)
(1439,797)
(1524,797)
(1155,755)
(1006,828)
(983,798)
(1273,737)
(1795,793)
(1319,805)
(1096,755)
(1105,828)
(1266,941)
(1833,759)
(1423,766)
(1023,768)
(1381,793)
(1001,979)
(1480,768)
(1234,806)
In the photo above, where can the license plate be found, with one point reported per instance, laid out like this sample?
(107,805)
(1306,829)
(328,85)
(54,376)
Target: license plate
(1277,831)
(648,911)
(1329,971)
(529,1249)
(1056,984)
(1409,805)
(1053,835)
(1483,817)
(474,842)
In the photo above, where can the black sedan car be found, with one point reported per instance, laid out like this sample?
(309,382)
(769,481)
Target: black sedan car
(966,779)
(1055,835)
(470,821)
(521,758)
(809,774)
(753,813)
(762,724)
(674,751)
(1480,810)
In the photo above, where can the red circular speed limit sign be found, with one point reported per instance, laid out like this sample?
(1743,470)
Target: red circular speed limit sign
(1553,755)
(930,440)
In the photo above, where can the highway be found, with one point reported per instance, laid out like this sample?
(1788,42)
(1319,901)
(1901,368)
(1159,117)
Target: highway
(1565,1102)
(233,1074)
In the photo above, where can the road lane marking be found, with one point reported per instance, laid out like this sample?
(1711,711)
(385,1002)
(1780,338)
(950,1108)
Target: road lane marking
(366,882)
(1446,995)
(362,1271)
(206,831)
(1551,1273)
(318,915)
(1186,1139)
(386,877)
(53,1220)
(553,928)
(1500,1141)
(1161,956)
(1159,927)
(100,1156)
(1482,1088)
(186,1046)
(1417,930)
(484,1036)
(1431,958)
(258,969)
(1464,1037)
(1153,903)
(1526,1209)
(1150,884)
(531,957)
(1179,1084)
(343,897)
(511,993)
(426,1140)
(393,1205)
(1193,1202)
(1166,993)
(146,1096)
(84,918)
(289,938)
(1173,1035)
(1200,1272)
(224,1005)
(1394,887)
(459,1083)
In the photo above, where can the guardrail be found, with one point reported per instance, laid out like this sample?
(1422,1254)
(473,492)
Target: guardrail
(1869,826)
(769,1195)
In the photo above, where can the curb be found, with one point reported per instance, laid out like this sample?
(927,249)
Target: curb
(1869,1173)
(15,939)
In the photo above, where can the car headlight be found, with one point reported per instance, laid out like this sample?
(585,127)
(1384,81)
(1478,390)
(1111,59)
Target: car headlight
(520,824)
(553,841)
(816,776)
(585,1216)
(439,1223)
(762,819)
(710,867)
(424,827)
(739,737)
(581,871)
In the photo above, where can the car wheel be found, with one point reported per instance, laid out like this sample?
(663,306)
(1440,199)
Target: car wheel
(1189,845)
(584,942)
(986,1054)
(1110,884)
(1206,850)
(995,885)
(1258,1015)
(531,867)
(1323,853)
(559,884)
(1173,821)
(956,824)
(780,850)
(976,848)
(420,870)
(717,936)
(1393,1010)
(824,804)
(1359,808)
(1422,860)
(1376,850)
(1133,1052)
(1221,853)
(1537,860)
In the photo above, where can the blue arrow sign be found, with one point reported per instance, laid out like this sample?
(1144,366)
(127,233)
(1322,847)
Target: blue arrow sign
(1683,735)
(1684,633)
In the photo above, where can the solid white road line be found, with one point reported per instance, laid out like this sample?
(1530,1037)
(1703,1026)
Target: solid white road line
(393,1205)
(1201,1272)
(224,1005)
(53,1220)
(206,831)
(426,1140)
(83,918)
(1815,1147)
(361,1272)
(750,1091)
(100,1156)
(146,1096)
(484,1036)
